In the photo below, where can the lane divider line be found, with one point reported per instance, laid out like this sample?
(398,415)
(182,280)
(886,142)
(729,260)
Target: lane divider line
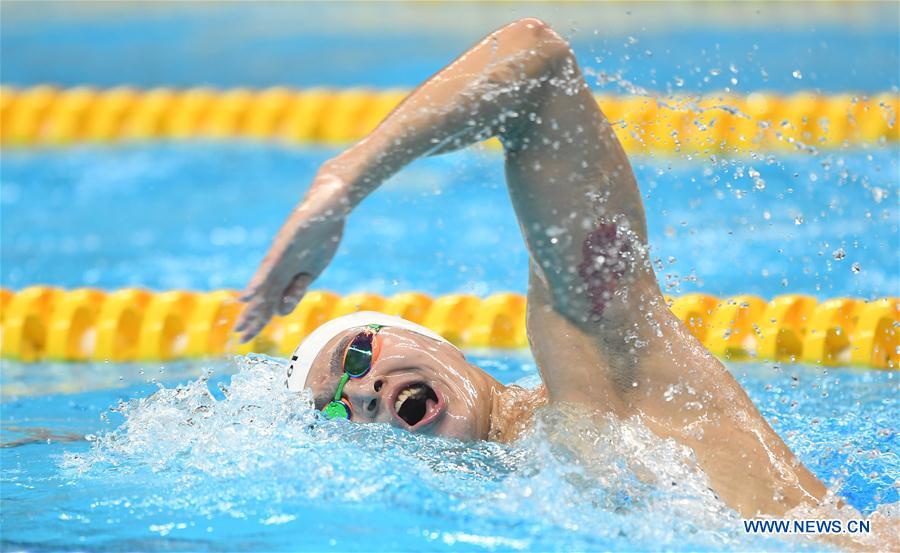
(47,323)
(715,123)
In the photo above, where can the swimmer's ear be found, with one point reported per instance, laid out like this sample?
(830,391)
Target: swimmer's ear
(294,293)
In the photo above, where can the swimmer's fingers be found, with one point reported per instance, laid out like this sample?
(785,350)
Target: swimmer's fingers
(254,324)
(247,295)
(294,293)
(262,280)
(246,321)
(262,304)
(254,317)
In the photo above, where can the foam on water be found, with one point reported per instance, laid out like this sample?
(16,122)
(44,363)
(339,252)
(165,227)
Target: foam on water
(253,459)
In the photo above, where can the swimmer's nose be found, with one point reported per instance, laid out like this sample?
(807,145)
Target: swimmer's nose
(365,399)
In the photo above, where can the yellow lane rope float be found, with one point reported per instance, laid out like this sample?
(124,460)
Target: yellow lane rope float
(47,323)
(44,115)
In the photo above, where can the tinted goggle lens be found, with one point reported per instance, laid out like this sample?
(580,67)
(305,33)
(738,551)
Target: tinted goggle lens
(358,359)
(336,410)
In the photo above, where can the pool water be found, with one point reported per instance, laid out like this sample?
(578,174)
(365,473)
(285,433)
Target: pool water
(230,460)
(214,455)
(199,468)
(784,47)
(201,216)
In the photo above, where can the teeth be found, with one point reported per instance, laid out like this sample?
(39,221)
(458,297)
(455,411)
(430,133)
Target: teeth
(415,390)
(401,398)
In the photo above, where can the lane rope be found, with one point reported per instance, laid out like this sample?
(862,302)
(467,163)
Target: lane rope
(715,123)
(48,323)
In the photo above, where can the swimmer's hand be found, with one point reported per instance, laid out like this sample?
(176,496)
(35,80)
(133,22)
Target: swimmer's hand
(300,252)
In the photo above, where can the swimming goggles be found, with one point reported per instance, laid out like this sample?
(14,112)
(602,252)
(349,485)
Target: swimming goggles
(358,361)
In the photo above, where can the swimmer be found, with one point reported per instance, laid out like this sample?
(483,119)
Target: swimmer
(599,328)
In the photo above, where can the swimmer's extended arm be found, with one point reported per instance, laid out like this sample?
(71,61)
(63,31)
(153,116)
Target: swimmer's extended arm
(598,326)
(500,87)
(481,94)
(569,179)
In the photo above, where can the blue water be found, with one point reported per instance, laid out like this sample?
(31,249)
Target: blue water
(249,468)
(201,216)
(153,457)
(667,48)
(253,470)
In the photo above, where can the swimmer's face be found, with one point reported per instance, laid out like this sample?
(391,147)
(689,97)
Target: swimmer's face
(416,383)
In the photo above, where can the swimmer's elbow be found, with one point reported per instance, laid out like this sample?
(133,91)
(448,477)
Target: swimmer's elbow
(536,34)
(532,28)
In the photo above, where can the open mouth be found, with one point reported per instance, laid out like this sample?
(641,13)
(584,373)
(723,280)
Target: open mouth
(417,404)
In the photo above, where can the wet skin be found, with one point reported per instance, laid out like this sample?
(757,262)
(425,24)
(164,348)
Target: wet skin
(458,395)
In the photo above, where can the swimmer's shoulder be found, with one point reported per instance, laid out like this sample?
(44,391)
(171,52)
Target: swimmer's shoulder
(513,414)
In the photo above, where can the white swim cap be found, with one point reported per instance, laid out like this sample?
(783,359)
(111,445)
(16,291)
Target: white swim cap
(306,352)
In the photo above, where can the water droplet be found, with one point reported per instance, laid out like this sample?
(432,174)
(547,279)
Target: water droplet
(798,220)
(856,268)
(838,254)
(797,74)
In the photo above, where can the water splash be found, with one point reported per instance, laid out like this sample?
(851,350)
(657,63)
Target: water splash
(255,453)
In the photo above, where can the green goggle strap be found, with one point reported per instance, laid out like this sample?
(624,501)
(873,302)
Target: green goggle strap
(340,388)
